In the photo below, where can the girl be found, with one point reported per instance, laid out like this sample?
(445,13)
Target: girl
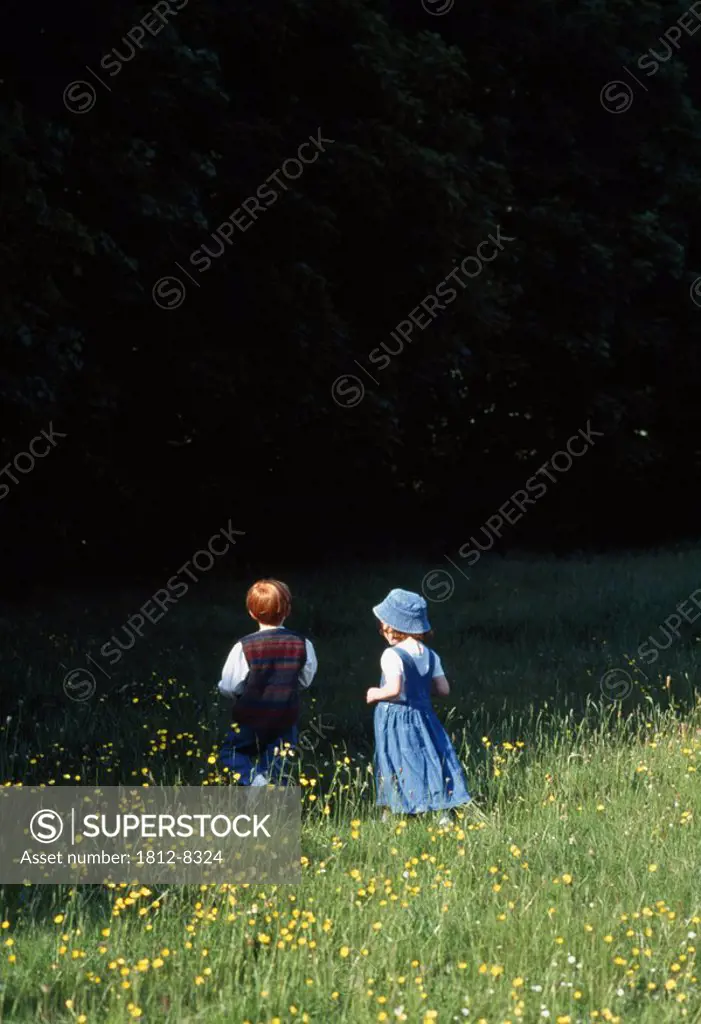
(416,767)
(264,673)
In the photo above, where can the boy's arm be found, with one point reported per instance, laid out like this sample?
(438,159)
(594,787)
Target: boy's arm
(234,673)
(310,666)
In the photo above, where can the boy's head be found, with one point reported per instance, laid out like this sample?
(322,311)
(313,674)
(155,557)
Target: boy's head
(269,602)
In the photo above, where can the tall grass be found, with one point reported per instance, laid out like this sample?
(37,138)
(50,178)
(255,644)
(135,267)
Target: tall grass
(569,893)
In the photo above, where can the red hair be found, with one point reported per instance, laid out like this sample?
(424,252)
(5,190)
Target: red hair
(269,602)
(390,633)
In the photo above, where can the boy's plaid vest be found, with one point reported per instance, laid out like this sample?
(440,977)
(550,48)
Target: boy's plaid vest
(269,703)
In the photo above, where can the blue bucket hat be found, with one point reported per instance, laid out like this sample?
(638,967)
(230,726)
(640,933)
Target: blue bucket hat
(404,611)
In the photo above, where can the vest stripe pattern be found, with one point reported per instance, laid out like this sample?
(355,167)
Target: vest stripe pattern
(269,703)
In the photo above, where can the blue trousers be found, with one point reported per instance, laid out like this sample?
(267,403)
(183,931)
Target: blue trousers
(255,762)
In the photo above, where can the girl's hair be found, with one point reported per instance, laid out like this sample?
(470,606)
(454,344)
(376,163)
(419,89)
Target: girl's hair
(269,602)
(397,636)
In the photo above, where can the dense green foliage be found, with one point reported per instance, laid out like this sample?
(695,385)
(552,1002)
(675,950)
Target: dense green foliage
(445,129)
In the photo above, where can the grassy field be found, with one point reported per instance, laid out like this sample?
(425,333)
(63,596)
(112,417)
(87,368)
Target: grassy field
(575,897)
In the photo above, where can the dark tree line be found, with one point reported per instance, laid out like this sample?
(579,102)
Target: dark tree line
(445,129)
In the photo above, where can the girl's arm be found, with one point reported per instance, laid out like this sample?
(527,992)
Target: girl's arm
(440,687)
(389,691)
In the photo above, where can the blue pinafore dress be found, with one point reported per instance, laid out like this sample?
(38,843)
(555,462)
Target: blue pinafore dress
(416,767)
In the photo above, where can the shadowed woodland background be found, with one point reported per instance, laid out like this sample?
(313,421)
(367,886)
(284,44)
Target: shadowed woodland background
(444,128)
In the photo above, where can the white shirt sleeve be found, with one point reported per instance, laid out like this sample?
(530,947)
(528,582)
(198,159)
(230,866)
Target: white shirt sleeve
(391,664)
(437,666)
(234,673)
(310,666)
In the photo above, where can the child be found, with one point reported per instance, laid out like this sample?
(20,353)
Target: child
(264,672)
(416,767)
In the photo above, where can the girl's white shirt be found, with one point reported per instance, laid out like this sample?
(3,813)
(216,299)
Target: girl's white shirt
(391,662)
(236,669)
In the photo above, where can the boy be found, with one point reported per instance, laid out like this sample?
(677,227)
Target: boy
(264,673)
